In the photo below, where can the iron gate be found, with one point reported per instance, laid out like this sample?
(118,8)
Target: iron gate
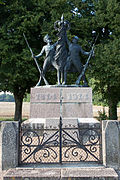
(59,144)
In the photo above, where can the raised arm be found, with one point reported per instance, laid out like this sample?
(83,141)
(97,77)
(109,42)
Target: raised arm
(68,42)
(55,44)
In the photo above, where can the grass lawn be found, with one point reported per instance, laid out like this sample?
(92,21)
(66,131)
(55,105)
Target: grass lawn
(9,119)
(6,119)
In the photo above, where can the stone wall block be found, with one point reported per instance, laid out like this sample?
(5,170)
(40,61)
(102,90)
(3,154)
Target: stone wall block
(111,143)
(10,144)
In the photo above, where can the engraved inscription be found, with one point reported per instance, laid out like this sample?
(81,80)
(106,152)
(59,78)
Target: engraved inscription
(45,96)
(77,96)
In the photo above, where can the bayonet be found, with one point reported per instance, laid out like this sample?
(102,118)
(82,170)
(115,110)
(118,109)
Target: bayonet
(39,68)
(86,65)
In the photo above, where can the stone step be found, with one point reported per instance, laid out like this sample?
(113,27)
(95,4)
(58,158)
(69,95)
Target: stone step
(90,173)
(43,123)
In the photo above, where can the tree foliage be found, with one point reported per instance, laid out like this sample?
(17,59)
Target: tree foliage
(18,71)
(36,18)
(6,98)
(106,67)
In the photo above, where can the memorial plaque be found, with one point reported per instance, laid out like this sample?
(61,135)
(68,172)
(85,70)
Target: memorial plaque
(44,94)
(79,95)
(76,102)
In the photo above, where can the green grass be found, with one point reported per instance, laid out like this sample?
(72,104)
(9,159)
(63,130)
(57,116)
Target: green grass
(9,119)
(6,119)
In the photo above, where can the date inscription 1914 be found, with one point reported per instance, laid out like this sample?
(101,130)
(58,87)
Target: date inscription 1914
(67,97)
(44,96)
(77,96)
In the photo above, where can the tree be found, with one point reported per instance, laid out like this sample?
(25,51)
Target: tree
(18,71)
(1,2)
(103,17)
(106,66)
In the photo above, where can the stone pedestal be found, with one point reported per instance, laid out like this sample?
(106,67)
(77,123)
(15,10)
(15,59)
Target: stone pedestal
(111,143)
(76,102)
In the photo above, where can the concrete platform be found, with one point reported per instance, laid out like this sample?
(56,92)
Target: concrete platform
(91,173)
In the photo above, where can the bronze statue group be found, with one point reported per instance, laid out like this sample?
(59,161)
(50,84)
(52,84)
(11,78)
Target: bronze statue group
(62,55)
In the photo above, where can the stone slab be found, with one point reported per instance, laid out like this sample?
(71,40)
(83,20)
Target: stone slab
(111,143)
(88,120)
(61,173)
(39,123)
(89,173)
(32,174)
(89,123)
(44,110)
(79,110)
(76,102)
(79,95)
(69,94)
(45,94)
(67,122)
(75,110)
(9,145)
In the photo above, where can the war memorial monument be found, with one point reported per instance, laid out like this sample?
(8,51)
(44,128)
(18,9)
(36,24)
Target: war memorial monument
(61,139)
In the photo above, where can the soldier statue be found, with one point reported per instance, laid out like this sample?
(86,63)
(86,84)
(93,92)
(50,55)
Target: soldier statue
(49,50)
(74,59)
(63,55)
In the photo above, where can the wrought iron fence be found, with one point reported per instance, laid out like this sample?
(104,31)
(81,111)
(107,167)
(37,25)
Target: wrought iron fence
(60,144)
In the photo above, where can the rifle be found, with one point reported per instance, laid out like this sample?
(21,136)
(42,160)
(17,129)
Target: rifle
(86,65)
(39,68)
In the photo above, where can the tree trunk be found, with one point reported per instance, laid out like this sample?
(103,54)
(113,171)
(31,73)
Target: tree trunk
(18,107)
(113,109)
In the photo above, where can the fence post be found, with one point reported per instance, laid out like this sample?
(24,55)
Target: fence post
(9,144)
(111,143)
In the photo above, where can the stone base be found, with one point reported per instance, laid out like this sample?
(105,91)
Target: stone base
(88,123)
(42,123)
(76,102)
(61,173)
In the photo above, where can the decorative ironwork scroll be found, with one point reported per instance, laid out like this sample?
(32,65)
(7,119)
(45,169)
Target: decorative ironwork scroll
(77,145)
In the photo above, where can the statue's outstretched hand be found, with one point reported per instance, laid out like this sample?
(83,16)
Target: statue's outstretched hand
(92,52)
(33,56)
